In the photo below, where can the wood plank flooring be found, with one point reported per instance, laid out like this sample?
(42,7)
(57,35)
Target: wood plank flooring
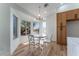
(57,50)
(53,49)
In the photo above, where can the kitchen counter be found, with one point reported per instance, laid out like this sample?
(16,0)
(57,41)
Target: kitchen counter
(72,46)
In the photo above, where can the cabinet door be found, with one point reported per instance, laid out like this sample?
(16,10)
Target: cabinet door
(77,14)
(70,15)
(64,36)
(59,35)
(63,20)
(59,17)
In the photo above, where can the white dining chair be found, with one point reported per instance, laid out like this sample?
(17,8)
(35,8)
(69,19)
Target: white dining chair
(31,43)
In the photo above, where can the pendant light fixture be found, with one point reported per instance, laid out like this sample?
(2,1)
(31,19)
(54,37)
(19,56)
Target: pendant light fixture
(39,17)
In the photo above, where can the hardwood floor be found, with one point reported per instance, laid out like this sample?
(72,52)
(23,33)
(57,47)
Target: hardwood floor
(52,49)
(57,50)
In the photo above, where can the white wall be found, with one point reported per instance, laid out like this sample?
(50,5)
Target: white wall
(51,26)
(4,29)
(21,16)
(7,44)
(14,42)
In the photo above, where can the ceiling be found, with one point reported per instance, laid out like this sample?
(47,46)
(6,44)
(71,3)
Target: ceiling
(33,8)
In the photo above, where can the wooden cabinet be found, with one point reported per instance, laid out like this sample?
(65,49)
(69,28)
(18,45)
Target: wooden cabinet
(70,15)
(62,19)
(61,28)
(63,35)
(77,14)
(59,35)
(59,17)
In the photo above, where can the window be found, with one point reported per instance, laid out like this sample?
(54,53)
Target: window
(44,28)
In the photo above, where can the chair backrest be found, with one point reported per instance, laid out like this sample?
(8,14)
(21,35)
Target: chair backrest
(31,38)
(37,40)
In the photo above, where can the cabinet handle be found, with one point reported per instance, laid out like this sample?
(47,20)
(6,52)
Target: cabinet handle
(75,16)
(61,27)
